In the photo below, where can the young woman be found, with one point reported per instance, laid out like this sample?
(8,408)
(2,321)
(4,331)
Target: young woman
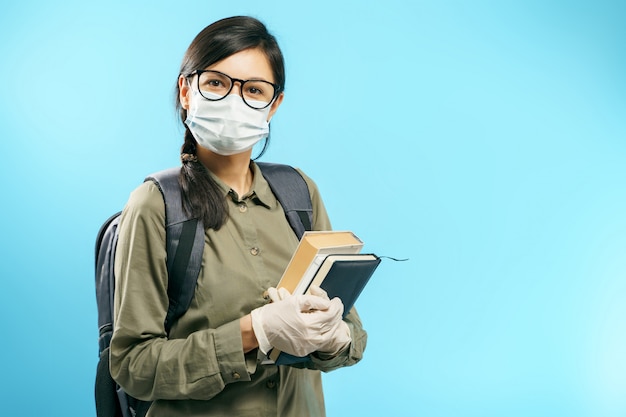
(230,86)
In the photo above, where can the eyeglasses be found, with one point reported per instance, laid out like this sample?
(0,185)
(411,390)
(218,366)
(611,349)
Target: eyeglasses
(215,85)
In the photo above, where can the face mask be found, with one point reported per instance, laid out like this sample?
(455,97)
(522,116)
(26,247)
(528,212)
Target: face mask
(227,126)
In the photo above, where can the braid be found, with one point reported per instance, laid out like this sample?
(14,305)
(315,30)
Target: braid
(202,196)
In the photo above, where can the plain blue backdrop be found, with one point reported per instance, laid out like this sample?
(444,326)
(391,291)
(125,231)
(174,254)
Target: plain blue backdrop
(483,140)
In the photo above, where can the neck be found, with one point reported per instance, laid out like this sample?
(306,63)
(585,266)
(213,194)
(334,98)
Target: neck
(234,170)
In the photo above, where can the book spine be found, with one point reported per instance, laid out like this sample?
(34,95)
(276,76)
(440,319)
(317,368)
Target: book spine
(305,253)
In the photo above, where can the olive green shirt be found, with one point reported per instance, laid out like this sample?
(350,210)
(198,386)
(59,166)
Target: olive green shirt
(200,368)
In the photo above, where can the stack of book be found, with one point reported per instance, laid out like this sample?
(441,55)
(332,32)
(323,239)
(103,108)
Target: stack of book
(332,261)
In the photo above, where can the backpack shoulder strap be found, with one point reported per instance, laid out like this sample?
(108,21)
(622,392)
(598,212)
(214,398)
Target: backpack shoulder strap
(292,193)
(184,244)
(106,243)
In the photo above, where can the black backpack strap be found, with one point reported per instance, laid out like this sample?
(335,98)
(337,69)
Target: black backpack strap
(106,390)
(106,243)
(292,192)
(184,243)
(107,403)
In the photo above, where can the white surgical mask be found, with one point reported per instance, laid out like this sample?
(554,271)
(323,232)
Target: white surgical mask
(227,126)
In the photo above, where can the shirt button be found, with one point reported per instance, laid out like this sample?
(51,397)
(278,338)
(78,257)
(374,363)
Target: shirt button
(254,251)
(243,208)
(236,375)
(270,384)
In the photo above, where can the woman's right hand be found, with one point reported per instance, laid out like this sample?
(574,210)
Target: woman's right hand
(296,324)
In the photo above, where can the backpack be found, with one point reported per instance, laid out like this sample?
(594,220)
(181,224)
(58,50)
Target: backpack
(184,244)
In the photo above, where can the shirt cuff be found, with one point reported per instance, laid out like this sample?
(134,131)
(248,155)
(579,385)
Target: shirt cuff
(229,353)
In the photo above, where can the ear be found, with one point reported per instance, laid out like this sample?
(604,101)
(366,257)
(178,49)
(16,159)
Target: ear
(275,106)
(184,92)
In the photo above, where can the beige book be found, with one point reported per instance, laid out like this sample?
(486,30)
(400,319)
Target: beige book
(311,252)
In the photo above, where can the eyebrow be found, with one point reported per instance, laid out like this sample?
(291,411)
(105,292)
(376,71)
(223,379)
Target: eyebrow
(243,79)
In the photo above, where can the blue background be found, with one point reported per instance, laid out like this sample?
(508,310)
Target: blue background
(484,140)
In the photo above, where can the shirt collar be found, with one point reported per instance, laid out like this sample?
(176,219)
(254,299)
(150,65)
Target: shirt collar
(260,192)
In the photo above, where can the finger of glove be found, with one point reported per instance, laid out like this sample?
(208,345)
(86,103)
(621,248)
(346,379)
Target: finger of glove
(315,290)
(274,294)
(337,340)
(331,317)
(295,337)
(291,347)
(283,293)
(319,321)
(287,326)
(341,331)
(304,333)
(336,307)
(339,335)
(308,303)
(286,319)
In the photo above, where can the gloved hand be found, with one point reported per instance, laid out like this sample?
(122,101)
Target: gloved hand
(339,337)
(296,324)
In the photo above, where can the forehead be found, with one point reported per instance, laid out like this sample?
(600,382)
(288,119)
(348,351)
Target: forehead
(246,64)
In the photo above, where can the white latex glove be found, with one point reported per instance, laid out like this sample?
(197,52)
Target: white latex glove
(339,337)
(295,324)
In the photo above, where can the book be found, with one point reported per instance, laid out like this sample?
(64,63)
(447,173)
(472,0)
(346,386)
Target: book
(340,275)
(345,276)
(311,251)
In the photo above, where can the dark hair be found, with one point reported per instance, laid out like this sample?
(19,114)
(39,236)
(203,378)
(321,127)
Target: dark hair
(201,194)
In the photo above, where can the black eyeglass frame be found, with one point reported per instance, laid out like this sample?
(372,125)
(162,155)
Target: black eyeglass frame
(232,84)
